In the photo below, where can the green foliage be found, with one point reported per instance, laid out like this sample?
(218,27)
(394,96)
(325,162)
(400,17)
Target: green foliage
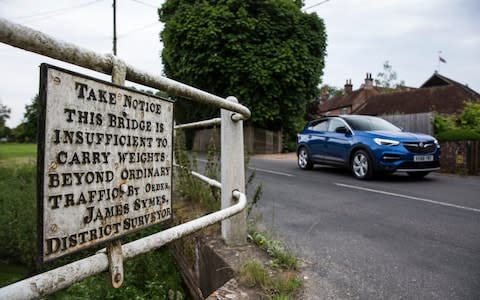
(286,286)
(459,134)
(470,116)
(329,91)
(4,115)
(253,273)
(188,186)
(282,286)
(27,131)
(465,126)
(31,120)
(443,123)
(150,276)
(387,78)
(275,249)
(10,273)
(267,53)
(18,207)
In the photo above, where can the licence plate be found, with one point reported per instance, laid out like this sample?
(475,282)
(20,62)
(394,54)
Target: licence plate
(422,158)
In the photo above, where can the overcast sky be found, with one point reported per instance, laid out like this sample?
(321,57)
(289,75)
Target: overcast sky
(362,34)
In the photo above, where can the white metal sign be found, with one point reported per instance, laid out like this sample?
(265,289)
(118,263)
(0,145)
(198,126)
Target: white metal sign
(105,161)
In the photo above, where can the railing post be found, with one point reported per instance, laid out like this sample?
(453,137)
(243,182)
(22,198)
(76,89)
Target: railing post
(114,248)
(234,230)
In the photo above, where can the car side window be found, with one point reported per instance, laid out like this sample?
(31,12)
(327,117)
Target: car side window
(334,124)
(319,126)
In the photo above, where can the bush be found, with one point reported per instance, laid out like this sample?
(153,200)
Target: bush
(459,134)
(443,123)
(465,126)
(470,116)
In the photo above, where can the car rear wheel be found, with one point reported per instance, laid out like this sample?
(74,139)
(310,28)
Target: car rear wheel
(418,175)
(361,165)
(303,159)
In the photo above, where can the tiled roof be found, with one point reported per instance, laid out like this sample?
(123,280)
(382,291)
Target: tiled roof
(347,100)
(438,93)
(445,99)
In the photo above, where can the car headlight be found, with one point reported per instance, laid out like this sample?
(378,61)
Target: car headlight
(385,142)
(436,143)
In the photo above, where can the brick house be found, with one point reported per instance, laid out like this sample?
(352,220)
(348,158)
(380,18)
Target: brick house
(438,94)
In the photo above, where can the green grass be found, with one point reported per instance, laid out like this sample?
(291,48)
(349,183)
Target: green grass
(283,285)
(253,273)
(10,273)
(13,151)
(281,257)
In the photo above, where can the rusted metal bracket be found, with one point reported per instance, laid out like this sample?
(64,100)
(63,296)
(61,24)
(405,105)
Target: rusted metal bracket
(115,263)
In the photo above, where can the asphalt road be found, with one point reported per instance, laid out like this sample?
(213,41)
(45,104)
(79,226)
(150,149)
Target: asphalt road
(390,238)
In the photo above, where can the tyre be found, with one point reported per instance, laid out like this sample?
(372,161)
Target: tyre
(303,159)
(418,175)
(361,165)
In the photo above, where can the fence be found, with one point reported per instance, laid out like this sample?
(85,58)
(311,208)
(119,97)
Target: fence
(232,169)
(257,141)
(421,122)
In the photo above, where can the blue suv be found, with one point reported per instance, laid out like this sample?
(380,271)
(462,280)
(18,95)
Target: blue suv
(367,146)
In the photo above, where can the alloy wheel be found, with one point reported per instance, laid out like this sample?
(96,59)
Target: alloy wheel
(360,165)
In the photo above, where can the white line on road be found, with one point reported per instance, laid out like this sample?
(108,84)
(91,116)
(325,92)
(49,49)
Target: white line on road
(272,172)
(260,170)
(407,197)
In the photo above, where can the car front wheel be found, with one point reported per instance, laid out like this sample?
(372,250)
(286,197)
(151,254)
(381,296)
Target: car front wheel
(362,167)
(303,159)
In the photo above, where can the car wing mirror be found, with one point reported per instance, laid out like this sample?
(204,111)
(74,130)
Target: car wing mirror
(342,129)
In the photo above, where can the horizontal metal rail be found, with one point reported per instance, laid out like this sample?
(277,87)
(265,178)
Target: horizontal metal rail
(35,41)
(211,182)
(206,123)
(64,276)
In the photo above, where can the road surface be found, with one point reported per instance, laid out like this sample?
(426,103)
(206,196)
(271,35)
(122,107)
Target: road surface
(390,238)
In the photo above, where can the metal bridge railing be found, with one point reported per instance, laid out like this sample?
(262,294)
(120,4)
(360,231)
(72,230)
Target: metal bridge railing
(233,203)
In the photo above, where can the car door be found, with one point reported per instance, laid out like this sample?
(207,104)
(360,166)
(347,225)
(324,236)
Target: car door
(337,144)
(316,139)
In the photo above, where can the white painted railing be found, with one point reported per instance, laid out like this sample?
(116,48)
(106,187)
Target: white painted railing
(232,186)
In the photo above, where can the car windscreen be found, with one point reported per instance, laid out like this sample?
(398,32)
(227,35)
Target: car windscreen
(370,124)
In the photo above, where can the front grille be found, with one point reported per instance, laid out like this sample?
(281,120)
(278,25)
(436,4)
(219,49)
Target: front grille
(420,147)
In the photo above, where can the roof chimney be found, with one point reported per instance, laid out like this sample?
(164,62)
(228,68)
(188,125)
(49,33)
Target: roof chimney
(369,81)
(348,88)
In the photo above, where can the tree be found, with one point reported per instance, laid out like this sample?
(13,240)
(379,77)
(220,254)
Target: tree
(329,91)
(4,115)
(387,78)
(27,131)
(267,53)
(325,92)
